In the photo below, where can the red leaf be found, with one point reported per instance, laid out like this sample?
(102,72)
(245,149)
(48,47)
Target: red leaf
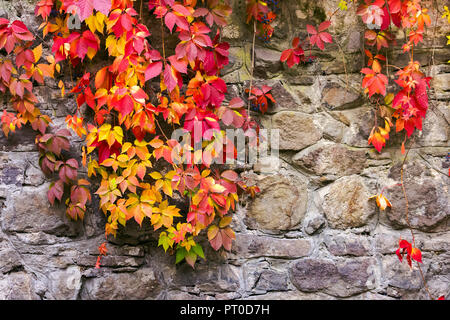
(324,25)
(55,191)
(311,29)
(126,105)
(153,70)
(236,103)
(169,20)
(230,175)
(103,6)
(416,254)
(216,242)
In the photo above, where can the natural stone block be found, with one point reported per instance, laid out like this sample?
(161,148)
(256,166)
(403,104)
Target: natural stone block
(65,284)
(208,277)
(9,258)
(297,130)
(346,204)
(347,244)
(138,285)
(328,158)
(335,97)
(17,286)
(251,246)
(427,191)
(270,280)
(28,210)
(314,224)
(281,204)
(341,279)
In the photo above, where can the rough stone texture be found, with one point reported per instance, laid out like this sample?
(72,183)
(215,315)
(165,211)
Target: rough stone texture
(328,158)
(281,204)
(297,130)
(141,284)
(251,246)
(429,209)
(345,203)
(311,233)
(335,97)
(341,279)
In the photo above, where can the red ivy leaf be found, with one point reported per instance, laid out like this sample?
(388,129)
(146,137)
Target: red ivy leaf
(154,69)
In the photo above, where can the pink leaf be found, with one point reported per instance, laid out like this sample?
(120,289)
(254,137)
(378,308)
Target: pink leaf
(153,70)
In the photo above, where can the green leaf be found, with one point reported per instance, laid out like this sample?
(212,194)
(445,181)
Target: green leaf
(180,255)
(191,257)
(198,250)
(163,241)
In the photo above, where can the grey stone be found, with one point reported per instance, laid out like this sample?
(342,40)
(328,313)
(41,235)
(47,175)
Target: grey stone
(17,286)
(429,210)
(28,210)
(297,130)
(208,277)
(9,258)
(328,158)
(314,224)
(65,284)
(335,97)
(250,246)
(312,275)
(272,281)
(281,204)
(138,285)
(346,204)
(340,279)
(347,244)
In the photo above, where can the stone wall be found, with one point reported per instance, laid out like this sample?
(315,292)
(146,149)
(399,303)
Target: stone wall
(310,234)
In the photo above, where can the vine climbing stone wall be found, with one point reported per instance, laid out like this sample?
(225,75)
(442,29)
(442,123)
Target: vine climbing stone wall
(311,233)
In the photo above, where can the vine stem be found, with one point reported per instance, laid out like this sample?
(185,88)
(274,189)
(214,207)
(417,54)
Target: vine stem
(252,67)
(407,220)
(162,40)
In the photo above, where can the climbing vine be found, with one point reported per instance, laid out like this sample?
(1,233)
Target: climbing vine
(128,109)
(405,107)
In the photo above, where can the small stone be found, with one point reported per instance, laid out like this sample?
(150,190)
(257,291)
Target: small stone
(270,280)
(208,277)
(267,61)
(340,279)
(28,210)
(65,284)
(347,245)
(9,258)
(440,84)
(314,225)
(354,42)
(312,275)
(17,286)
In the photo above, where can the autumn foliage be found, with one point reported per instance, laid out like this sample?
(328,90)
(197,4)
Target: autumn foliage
(128,107)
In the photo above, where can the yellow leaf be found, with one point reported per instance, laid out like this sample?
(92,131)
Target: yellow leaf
(37,52)
(118,134)
(103,132)
(61,85)
(156,175)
